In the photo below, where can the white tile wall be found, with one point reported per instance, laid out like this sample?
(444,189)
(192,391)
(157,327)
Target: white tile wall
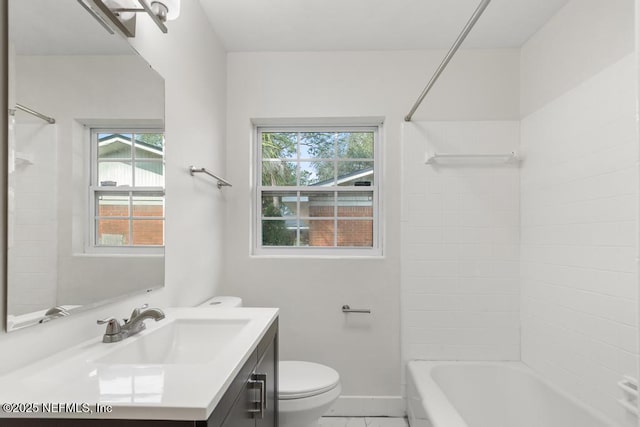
(32,243)
(460,243)
(579,198)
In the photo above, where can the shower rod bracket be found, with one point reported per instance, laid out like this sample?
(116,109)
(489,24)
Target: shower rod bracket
(12,111)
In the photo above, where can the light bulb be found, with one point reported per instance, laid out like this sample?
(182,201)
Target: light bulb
(121,4)
(172,8)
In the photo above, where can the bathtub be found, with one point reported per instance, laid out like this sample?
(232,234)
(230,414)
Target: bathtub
(489,394)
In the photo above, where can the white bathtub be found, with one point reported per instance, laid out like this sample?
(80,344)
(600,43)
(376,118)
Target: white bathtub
(489,394)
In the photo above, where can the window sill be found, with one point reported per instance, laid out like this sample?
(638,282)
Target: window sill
(117,255)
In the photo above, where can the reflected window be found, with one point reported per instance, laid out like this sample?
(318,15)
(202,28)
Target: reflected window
(317,190)
(127,198)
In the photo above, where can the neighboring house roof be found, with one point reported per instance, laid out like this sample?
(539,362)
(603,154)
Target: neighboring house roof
(116,142)
(347,178)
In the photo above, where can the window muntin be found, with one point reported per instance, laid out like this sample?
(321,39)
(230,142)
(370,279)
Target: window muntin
(127,190)
(317,190)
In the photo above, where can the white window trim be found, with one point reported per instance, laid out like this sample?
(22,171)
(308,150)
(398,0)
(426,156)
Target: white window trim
(91,248)
(257,249)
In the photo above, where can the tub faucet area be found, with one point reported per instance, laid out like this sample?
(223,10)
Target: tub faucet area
(116,332)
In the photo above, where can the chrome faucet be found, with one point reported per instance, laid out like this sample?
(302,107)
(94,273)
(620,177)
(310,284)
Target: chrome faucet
(117,332)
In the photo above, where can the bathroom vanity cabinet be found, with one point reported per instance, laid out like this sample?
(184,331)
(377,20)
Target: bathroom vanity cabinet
(250,400)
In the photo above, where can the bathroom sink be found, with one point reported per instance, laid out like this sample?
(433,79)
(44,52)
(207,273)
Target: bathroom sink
(182,341)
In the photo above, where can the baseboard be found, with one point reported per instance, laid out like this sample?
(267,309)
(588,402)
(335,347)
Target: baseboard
(367,406)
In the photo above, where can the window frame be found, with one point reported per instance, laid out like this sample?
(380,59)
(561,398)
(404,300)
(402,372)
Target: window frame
(94,189)
(376,250)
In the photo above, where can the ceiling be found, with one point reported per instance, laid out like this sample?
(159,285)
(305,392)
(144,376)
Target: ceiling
(301,25)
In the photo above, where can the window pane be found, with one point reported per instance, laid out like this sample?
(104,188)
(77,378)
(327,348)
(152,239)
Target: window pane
(279,145)
(355,145)
(320,232)
(317,204)
(114,145)
(112,205)
(111,174)
(355,232)
(149,174)
(317,145)
(316,173)
(279,173)
(149,145)
(148,232)
(112,232)
(279,232)
(277,204)
(355,204)
(358,173)
(148,205)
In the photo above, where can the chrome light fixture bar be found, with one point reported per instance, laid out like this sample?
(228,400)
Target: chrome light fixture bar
(112,16)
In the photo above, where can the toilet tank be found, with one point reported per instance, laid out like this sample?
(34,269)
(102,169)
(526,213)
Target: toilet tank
(222,302)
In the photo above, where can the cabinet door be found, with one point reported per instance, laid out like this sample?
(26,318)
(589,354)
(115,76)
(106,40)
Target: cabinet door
(268,365)
(239,416)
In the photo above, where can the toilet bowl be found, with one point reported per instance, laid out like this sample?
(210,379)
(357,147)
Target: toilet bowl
(306,390)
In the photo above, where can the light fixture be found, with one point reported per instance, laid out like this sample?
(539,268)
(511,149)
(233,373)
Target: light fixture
(122,13)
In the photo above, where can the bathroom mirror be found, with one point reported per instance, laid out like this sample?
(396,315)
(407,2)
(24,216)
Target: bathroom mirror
(86,192)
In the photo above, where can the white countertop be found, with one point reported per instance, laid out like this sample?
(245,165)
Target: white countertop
(150,391)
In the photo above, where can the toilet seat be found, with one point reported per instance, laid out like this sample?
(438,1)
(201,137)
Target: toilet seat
(297,380)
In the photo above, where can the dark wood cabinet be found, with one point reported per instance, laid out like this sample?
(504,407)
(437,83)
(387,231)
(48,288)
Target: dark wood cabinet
(256,404)
(268,366)
(250,401)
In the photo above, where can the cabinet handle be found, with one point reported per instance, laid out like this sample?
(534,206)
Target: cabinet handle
(259,381)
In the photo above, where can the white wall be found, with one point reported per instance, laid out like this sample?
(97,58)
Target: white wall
(192,62)
(460,241)
(479,85)
(579,184)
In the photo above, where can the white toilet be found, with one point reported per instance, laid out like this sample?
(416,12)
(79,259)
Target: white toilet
(306,390)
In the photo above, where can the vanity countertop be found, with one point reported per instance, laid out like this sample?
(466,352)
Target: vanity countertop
(86,380)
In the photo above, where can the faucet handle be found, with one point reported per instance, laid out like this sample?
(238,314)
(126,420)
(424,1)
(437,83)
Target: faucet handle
(113,326)
(114,330)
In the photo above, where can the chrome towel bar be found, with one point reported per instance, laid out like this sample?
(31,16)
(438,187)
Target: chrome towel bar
(512,157)
(221,182)
(347,309)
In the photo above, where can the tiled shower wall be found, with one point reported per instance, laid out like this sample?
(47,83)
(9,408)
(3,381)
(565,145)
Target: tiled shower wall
(460,242)
(32,239)
(579,198)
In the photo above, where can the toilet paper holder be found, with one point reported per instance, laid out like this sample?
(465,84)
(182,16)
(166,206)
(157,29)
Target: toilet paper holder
(347,309)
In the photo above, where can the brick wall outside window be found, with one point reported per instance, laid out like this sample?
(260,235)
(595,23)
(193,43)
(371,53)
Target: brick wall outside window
(358,233)
(148,232)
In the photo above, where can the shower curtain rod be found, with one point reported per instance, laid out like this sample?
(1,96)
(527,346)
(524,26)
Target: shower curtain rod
(21,107)
(465,31)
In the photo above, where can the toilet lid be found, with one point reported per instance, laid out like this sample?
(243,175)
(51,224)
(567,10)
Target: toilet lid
(304,379)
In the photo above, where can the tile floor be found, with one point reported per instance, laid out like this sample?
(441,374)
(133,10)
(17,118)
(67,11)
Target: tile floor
(363,422)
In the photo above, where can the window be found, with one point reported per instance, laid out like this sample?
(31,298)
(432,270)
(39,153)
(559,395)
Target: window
(126,197)
(317,191)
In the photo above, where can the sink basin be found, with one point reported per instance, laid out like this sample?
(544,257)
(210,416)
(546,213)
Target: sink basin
(183,341)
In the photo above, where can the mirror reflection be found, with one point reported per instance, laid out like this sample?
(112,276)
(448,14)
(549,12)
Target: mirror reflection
(86,165)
